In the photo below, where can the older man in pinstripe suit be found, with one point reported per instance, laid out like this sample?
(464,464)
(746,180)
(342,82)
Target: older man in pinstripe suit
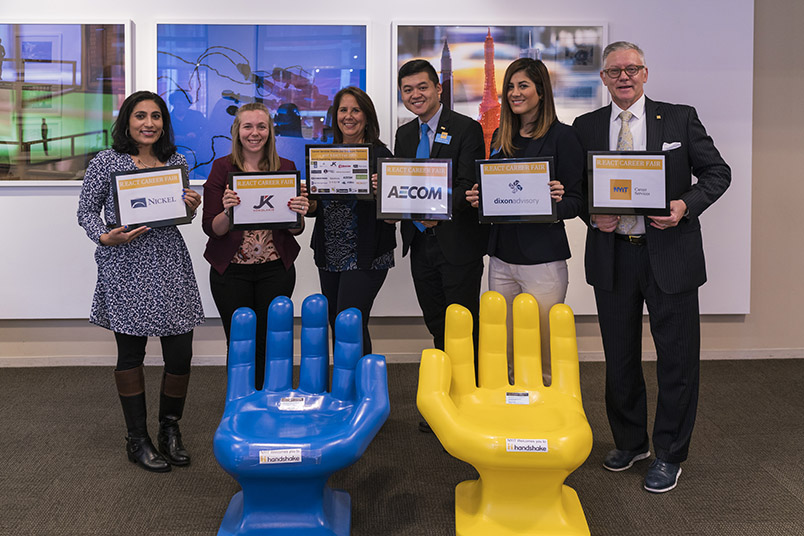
(632,260)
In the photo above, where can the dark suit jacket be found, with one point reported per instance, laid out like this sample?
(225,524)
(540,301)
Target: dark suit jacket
(676,254)
(547,242)
(461,239)
(221,249)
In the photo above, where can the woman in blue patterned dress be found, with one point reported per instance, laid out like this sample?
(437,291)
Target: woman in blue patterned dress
(146,287)
(352,248)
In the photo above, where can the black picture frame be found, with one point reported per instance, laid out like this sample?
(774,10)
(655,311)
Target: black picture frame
(315,195)
(296,223)
(516,218)
(383,214)
(187,218)
(619,211)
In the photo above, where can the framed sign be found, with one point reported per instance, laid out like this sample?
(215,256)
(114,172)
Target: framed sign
(516,190)
(151,197)
(628,182)
(414,189)
(264,197)
(338,171)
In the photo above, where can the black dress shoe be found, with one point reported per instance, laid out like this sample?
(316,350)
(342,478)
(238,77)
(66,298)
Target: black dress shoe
(620,460)
(141,451)
(662,476)
(170,445)
(425,428)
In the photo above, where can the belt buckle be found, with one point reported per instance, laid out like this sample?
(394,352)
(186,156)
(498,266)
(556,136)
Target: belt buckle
(636,239)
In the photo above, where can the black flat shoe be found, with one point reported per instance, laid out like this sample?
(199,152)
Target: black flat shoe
(141,451)
(170,445)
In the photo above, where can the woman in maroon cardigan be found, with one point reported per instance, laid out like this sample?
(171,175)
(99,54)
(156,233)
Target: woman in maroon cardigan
(249,268)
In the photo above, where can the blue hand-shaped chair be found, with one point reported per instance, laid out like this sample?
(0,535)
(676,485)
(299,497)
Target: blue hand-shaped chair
(282,444)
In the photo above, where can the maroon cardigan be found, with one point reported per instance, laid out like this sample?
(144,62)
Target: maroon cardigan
(221,249)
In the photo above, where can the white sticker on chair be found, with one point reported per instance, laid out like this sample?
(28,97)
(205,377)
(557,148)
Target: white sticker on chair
(525,445)
(522,398)
(281,456)
(291,403)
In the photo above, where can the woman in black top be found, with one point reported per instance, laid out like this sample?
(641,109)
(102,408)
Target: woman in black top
(352,248)
(532,257)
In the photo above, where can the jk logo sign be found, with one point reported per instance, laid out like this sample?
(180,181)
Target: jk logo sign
(621,189)
(266,200)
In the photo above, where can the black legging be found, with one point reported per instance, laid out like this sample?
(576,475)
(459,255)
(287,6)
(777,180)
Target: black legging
(177,352)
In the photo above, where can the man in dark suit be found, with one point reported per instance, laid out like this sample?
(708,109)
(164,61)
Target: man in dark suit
(632,260)
(446,257)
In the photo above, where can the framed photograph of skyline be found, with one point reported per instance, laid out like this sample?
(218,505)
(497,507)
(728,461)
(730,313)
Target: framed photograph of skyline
(60,87)
(471,61)
(207,71)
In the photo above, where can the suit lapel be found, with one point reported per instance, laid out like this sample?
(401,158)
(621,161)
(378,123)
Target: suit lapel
(443,126)
(654,125)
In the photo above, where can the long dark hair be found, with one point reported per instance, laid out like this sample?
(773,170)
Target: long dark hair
(121,139)
(510,122)
(371,133)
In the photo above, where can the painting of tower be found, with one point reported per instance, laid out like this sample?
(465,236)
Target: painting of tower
(446,77)
(489,109)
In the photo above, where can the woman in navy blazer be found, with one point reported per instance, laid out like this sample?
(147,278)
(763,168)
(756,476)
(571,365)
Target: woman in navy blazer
(249,268)
(532,257)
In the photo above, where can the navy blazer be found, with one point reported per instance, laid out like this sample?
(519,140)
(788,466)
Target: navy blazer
(462,239)
(676,254)
(547,242)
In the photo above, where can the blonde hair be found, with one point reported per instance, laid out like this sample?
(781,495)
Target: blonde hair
(270,158)
(510,123)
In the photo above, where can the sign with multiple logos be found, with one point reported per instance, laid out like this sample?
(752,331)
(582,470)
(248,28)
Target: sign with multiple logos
(151,197)
(516,190)
(414,189)
(628,182)
(339,171)
(264,197)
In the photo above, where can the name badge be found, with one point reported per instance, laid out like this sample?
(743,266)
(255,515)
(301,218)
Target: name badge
(442,137)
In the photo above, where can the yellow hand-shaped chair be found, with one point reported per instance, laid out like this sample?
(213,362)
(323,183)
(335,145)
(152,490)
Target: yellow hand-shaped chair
(523,439)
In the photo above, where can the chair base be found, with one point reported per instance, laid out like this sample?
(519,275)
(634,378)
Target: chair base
(471,517)
(336,516)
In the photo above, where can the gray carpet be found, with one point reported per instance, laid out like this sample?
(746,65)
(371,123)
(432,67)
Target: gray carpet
(63,469)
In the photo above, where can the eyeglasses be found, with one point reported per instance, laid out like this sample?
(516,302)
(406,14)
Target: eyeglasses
(631,71)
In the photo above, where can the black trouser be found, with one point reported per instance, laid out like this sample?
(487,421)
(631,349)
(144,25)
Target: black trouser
(675,326)
(177,352)
(253,286)
(439,284)
(352,288)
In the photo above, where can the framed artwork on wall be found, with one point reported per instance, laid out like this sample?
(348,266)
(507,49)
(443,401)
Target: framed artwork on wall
(471,61)
(207,71)
(60,86)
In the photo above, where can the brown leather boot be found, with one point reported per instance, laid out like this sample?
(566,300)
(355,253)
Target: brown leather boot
(140,449)
(171,406)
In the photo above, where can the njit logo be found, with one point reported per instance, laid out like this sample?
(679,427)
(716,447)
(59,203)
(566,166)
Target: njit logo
(621,189)
(264,200)
(415,192)
(515,186)
(139,202)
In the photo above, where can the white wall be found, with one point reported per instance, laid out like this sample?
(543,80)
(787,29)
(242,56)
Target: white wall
(698,53)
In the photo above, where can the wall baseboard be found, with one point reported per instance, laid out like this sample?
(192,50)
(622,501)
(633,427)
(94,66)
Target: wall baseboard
(219,360)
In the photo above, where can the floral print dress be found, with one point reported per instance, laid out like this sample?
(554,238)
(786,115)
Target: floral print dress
(146,287)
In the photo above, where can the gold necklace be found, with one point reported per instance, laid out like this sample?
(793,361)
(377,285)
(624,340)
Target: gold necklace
(143,164)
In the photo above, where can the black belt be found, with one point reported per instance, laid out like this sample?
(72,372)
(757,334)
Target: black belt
(637,240)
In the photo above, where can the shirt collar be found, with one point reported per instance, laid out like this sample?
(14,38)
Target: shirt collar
(638,109)
(433,122)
